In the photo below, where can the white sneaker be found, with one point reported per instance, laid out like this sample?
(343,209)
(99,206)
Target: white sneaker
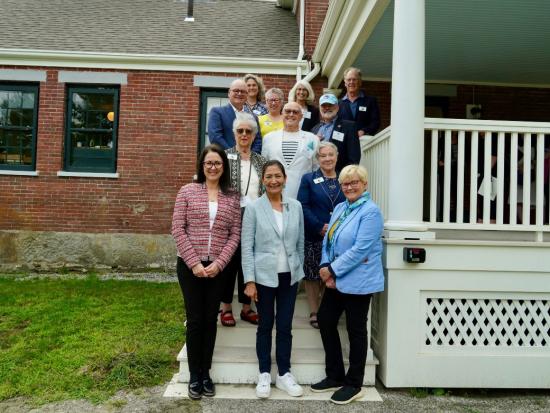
(288,384)
(263,388)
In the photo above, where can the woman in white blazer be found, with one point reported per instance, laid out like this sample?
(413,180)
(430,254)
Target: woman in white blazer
(272,250)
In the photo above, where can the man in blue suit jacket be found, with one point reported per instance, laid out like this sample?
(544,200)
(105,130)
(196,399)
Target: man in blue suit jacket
(342,133)
(220,119)
(357,106)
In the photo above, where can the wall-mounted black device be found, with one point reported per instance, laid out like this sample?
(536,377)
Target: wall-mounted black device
(414,255)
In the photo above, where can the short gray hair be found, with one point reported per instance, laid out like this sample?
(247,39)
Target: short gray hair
(276,91)
(351,170)
(353,69)
(325,144)
(310,93)
(244,117)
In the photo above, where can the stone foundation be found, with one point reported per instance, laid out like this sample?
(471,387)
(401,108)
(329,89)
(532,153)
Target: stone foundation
(45,251)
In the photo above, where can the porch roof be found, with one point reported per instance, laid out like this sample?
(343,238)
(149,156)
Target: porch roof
(483,42)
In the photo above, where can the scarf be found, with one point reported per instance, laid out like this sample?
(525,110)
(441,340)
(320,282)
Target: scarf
(340,220)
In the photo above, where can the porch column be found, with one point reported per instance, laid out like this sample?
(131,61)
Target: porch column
(406,157)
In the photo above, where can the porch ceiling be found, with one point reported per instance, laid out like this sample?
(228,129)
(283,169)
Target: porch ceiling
(472,41)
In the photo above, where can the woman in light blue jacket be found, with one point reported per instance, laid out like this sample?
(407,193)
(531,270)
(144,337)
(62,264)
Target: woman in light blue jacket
(351,267)
(272,251)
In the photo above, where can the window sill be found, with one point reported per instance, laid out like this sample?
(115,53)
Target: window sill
(18,173)
(88,174)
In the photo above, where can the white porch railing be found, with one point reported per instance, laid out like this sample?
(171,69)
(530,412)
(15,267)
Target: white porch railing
(376,159)
(459,154)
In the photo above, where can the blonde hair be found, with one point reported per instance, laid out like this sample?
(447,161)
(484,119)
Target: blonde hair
(351,170)
(310,93)
(259,82)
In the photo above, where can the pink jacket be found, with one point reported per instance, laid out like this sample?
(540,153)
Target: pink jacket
(191,227)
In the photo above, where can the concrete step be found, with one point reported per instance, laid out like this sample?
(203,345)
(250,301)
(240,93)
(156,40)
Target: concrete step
(301,307)
(239,364)
(177,389)
(304,335)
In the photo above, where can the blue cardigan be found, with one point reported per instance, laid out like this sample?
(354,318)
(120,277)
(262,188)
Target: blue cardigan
(356,257)
(316,205)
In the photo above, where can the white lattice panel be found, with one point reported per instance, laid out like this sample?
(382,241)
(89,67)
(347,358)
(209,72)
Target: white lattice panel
(487,322)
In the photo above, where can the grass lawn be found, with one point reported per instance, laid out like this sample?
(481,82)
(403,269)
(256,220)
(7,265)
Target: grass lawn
(87,338)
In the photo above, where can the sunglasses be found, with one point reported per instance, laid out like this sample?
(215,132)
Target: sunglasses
(241,131)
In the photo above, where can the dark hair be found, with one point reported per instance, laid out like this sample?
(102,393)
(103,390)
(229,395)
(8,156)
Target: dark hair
(273,162)
(225,180)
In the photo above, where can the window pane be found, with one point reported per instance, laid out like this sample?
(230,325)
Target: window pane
(15,117)
(3,117)
(92,140)
(90,110)
(14,99)
(28,101)
(3,99)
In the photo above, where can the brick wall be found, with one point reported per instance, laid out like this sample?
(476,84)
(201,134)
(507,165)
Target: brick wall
(316,11)
(157,146)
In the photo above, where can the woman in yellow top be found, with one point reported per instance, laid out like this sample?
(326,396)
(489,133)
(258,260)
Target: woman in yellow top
(273,121)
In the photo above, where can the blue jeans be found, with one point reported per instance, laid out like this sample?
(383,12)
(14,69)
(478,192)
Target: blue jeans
(284,298)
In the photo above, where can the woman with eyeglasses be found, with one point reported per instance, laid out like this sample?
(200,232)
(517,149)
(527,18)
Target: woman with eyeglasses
(273,255)
(245,169)
(273,120)
(302,93)
(351,267)
(319,194)
(206,226)
(255,96)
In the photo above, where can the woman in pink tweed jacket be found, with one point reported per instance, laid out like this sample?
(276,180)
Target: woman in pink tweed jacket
(206,226)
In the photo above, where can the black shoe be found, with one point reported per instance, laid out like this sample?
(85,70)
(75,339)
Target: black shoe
(208,387)
(346,394)
(326,385)
(194,389)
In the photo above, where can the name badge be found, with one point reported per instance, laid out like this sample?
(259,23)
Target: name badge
(267,123)
(232,156)
(338,136)
(362,108)
(307,114)
(257,112)
(318,180)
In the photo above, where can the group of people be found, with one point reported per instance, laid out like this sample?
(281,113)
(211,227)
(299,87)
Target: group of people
(273,205)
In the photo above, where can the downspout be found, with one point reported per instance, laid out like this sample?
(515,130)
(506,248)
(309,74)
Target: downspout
(301,46)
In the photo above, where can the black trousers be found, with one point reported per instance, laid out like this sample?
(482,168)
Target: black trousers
(234,270)
(202,301)
(356,307)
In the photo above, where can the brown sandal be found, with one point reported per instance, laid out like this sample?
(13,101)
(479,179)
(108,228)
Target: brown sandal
(226,318)
(251,316)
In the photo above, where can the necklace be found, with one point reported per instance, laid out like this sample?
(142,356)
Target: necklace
(329,185)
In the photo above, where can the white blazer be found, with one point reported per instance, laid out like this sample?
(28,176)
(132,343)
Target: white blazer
(304,161)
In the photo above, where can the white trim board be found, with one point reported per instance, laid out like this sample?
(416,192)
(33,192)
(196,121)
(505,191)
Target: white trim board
(22,75)
(52,58)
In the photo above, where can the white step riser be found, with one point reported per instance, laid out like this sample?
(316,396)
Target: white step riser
(301,307)
(247,373)
(310,337)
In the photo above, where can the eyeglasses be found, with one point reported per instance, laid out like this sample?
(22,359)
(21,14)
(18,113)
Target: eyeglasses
(273,100)
(292,111)
(215,164)
(240,131)
(239,91)
(349,184)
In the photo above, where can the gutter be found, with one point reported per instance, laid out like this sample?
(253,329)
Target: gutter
(134,61)
(301,44)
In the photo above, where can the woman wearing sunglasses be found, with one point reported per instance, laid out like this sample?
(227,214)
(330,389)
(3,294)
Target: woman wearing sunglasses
(245,169)
(206,227)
